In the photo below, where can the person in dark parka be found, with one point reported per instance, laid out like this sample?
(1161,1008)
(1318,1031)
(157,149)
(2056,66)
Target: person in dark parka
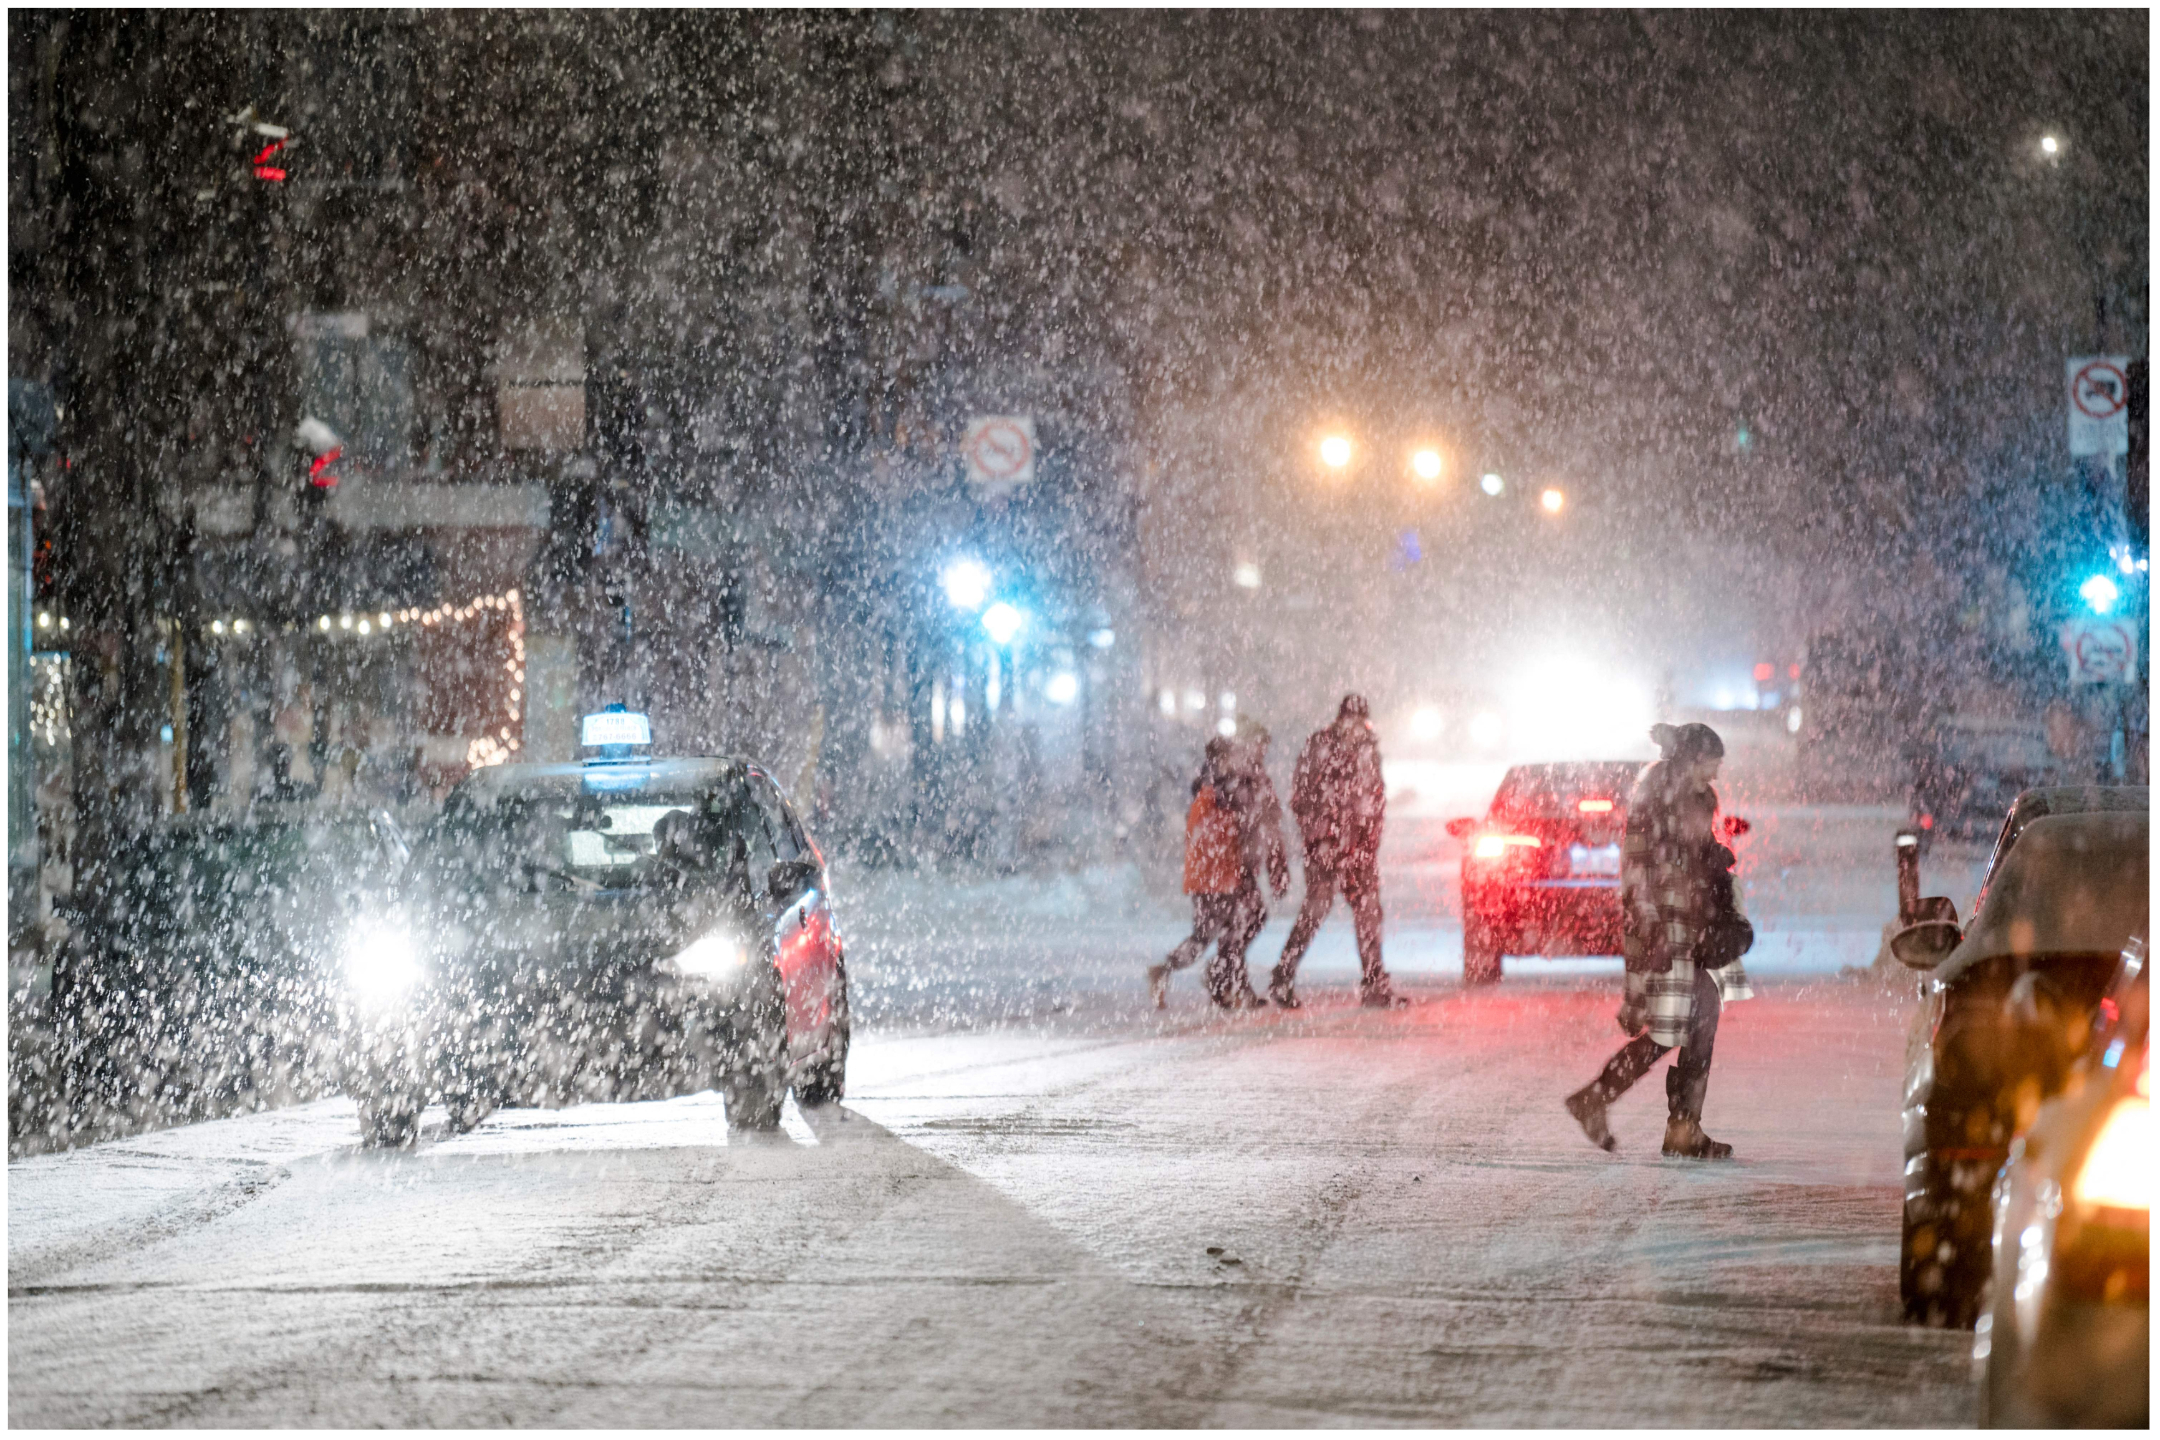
(1681,938)
(1340,801)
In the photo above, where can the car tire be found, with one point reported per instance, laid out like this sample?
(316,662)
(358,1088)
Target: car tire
(755,1085)
(1944,1254)
(1480,953)
(824,1080)
(391,1120)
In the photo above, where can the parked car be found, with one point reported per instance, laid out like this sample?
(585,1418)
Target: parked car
(216,984)
(2067,1337)
(624,928)
(1541,871)
(2008,999)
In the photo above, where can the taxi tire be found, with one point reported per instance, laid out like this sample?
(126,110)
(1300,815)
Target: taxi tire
(755,1085)
(824,1080)
(1480,952)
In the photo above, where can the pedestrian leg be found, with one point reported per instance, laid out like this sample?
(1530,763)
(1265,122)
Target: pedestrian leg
(1209,914)
(1629,1064)
(1228,983)
(1319,899)
(1689,1079)
(1361,887)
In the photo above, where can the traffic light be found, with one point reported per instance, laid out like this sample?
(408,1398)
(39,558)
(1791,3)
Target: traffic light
(323,449)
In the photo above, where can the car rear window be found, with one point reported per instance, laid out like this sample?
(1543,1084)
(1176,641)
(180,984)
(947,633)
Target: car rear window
(1559,791)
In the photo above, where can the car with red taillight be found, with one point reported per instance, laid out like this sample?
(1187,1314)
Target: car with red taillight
(1541,870)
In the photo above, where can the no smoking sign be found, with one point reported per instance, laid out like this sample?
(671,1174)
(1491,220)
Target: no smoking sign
(999,450)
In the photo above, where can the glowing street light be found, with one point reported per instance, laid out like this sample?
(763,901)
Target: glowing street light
(1335,451)
(1247,575)
(2100,593)
(1553,501)
(1491,484)
(1427,465)
(2050,146)
(1001,622)
(967,584)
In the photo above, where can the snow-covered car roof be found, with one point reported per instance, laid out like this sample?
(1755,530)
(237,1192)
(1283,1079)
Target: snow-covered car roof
(631,774)
(2072,885)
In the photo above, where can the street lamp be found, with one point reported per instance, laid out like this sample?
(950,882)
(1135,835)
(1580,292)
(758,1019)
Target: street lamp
(2100,593)
(1553,501)
(967,584)
(2050,146)
(1001,622)
(1427,465)
(1491,484)
(1335,451)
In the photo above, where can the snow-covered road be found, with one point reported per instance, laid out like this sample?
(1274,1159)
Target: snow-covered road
(1045,1205)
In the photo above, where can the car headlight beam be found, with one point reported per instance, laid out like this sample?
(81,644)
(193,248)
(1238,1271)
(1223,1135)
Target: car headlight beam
(715,956)
(381,964)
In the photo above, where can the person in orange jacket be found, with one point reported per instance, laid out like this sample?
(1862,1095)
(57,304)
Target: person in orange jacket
(1229,828)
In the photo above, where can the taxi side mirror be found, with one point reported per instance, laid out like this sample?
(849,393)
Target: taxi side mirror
(1928,934)
(1460,826)
(790,878)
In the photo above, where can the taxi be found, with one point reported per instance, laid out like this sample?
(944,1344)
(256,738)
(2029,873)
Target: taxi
(621,928)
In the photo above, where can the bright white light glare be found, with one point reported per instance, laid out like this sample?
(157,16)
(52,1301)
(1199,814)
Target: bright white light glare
(1426,465)
(1247,575)
(1195,700)
(1102,639)
(2118,1172)
(1792,720)
(1228,701)
(1168,702)
(1491,484)
(1335,451)
(967,584)
(1226,726)
(1486,729)
(615,727)
(344,622)
(1001,622)
(711,957)
(2049,145)
(1553,501)
(1063,689)
(381,965)
(1425,723)
(2100,593)
(217,627)
(1575,709)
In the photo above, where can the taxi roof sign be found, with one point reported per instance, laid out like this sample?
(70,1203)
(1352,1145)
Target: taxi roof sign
(616,726)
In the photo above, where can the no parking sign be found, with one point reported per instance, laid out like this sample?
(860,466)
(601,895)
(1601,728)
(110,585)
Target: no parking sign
(2099,650)
(2099,404)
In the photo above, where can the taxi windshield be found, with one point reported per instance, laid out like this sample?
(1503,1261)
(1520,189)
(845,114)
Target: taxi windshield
(594,843)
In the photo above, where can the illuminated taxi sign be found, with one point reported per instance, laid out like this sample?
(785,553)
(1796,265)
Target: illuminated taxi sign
(615,726)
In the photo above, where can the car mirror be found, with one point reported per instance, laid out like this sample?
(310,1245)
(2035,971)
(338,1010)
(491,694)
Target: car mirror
(1460,826)
(1735,827)
(790,878)
(1928,934)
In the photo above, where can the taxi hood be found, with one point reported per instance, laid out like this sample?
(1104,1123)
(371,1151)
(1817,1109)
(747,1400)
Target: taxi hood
(2072,884)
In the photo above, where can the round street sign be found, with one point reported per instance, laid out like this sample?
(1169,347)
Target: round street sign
(1000,450)
(2100,389)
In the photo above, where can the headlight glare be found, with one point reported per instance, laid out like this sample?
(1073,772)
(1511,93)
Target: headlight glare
(712,957)
(2117,1173)
(381,964)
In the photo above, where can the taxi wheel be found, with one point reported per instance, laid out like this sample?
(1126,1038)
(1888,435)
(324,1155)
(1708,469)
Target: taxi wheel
(1480,953)
(755,1085)
(824,1080)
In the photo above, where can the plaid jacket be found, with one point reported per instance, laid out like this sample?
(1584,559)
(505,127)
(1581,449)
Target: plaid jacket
(1668,893)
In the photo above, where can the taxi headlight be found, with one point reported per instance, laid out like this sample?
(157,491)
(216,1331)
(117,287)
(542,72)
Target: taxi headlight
(381,964)
(711,957)
(2117,1173)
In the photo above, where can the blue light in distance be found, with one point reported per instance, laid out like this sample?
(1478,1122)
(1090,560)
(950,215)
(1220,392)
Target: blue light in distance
(1001,622)
(2100,593)
(967,584)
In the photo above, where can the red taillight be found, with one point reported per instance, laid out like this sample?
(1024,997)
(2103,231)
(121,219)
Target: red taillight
(1927,822)
(1594,807)
(1765,670)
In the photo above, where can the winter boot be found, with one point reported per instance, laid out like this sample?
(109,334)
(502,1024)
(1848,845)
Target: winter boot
(1279,991)
(1587,1105)
(1158,985)
(1684,1137)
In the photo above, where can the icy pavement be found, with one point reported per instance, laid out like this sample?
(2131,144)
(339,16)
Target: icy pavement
(1044,1204)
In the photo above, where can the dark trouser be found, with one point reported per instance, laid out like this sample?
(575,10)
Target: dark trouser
(1361,887)
(1229,923)
(1689,1079)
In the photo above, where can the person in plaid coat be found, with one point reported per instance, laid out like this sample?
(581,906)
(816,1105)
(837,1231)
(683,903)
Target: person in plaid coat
(1681,938)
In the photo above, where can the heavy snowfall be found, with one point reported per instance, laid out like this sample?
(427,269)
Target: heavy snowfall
(891,719)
